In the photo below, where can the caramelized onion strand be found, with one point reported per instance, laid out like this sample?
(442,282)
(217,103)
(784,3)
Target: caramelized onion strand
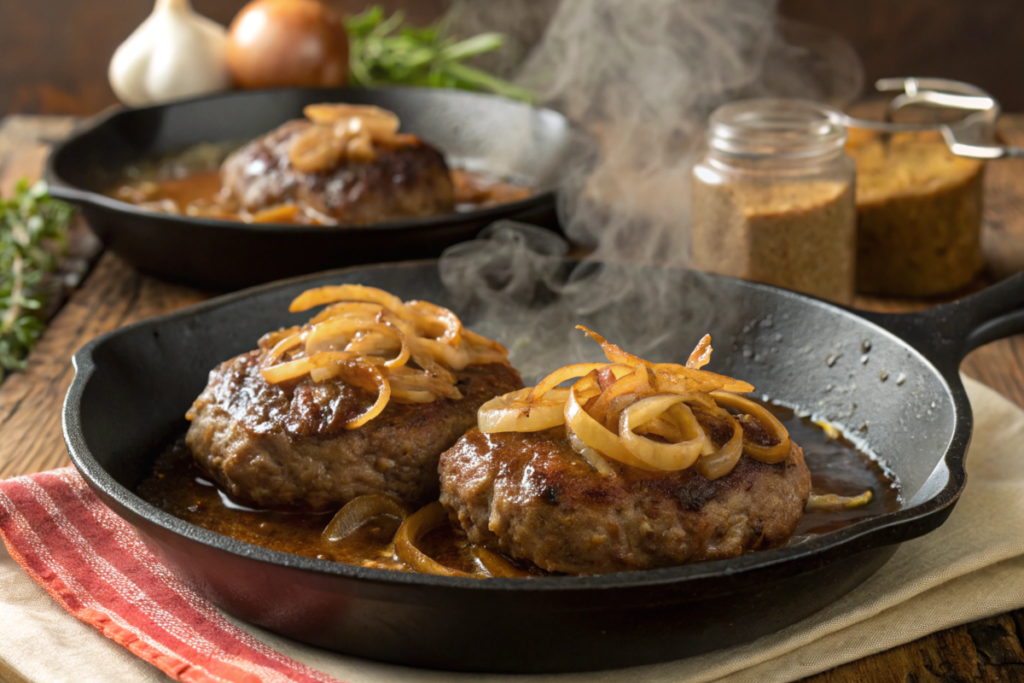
(358,512)
(409,534)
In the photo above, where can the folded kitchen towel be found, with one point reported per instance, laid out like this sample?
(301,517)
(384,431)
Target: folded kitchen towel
(77,557)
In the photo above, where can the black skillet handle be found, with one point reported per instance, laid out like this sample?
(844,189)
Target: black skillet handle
(948,332)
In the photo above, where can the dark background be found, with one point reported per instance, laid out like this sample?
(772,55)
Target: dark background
(54,53)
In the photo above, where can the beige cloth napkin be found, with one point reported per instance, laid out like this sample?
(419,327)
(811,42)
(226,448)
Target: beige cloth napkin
(970,568)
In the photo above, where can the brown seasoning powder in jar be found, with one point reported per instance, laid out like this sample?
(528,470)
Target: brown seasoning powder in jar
(773,200)
(919,210)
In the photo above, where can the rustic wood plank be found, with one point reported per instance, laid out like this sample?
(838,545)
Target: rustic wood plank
(114,294)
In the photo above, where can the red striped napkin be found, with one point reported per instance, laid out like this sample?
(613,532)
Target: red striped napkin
(93,564)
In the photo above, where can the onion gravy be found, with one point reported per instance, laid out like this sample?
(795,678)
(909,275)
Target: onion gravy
(176,485)
(194,189)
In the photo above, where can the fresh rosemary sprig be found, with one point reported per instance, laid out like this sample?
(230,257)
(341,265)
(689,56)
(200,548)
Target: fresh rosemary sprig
(33,235)
(385,51)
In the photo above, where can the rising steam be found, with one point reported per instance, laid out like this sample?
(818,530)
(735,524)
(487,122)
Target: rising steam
(642,76)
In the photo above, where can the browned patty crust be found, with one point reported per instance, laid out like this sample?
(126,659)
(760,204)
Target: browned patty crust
(532,497)
(285,446)
(403,182)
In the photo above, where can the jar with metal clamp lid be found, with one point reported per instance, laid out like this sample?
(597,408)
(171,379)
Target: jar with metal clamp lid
(920,185)
(773,198)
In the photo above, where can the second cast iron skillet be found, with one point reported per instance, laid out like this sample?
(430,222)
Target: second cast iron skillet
(509,138)
(890,379)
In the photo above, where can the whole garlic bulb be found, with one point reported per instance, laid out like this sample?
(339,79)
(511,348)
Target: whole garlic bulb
(174,53)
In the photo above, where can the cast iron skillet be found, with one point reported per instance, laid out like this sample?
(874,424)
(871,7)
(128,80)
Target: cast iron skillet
(500,135)
(133,385)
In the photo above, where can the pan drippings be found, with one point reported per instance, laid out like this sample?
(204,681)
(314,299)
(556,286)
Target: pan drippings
(176,486)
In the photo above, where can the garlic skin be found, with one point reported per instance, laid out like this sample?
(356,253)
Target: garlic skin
(175,53)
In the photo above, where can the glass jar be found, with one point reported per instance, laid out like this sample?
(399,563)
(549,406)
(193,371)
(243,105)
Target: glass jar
(773,198)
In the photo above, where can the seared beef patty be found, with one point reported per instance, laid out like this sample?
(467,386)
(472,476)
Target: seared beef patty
(401,182)
(531,496)
(285,446)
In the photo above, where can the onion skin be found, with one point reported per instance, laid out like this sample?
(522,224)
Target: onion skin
(280,43)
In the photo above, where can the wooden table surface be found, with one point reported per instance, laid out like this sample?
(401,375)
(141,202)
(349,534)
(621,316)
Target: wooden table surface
(114,294)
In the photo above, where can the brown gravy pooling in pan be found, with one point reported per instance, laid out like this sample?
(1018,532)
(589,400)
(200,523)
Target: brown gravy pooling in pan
(196,195)
(176,486)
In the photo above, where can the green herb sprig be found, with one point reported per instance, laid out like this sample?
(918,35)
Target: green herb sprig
(33,236)
(386,51)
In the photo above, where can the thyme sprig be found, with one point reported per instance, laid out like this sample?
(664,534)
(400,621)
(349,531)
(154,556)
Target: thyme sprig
(33,236)
(387,51)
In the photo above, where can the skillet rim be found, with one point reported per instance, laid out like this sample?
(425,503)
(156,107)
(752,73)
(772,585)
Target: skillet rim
(883,530)
(63,189)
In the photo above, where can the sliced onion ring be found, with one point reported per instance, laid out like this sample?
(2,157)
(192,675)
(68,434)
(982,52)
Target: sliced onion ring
(570,372)
(409,534)
(360,510)
(496,565)
(596,436)
(334,293)
(767,454)
(627,388)
(512,412)
(442,317)
(721,461)
(663,456)
(342,329)
(353,372)
(348,308)
(701,380)
(282,372)
(368,328)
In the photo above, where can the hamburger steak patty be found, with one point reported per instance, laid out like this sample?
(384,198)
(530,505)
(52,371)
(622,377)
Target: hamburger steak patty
(285,446)
(401,182)
(531,496)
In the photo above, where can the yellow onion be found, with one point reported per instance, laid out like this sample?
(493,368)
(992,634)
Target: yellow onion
(359,309)
(380,123)
(663,456)
(639,413)
(348,293)
(593,458)
(721,461)
(496,565)
(701,355)
(409,534)
(357,375)
(280,43)
(768,454)
(830,502)
(302,366)
(368,337)
(360,510)
(513,413)
(561,375)
(438,317)
(594,435)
